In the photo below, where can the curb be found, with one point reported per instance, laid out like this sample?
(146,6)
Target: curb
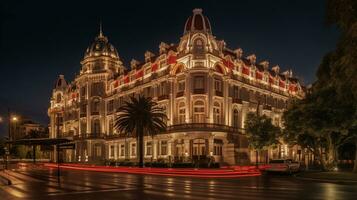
(325,180)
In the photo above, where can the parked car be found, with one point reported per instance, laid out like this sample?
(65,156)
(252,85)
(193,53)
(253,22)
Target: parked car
(283,165)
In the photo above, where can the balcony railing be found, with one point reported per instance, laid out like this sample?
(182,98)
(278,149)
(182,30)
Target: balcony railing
(95,113)
(199,91)
(237,100)
(203,127)
(162,97)
(219,93)
(88,136)
(179,94)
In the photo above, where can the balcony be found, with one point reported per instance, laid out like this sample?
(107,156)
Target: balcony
(95,113)
(199,91)
(179,94)
(237,100)
(88,136)
(113,136)
(83,115)
(202,127)
(163,97)
(267,107)
(219,93)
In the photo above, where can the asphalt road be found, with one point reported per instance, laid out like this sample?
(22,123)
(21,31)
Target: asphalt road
(42,184)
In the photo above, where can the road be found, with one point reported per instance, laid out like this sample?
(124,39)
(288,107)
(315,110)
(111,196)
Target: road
(42,183)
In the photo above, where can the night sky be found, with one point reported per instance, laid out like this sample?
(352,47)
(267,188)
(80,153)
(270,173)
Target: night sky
(42,39)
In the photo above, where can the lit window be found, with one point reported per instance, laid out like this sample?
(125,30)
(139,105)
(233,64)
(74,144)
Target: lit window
(218,85)
(96,126)
(149,148)
(217,148)
(199,112)
(182,113)
(163,146)
(217,113)
(112,148)
(181,86)
(122,150)
(133,149)
(235,118)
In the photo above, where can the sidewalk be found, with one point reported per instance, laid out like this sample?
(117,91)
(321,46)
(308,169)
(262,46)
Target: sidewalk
(331,177)
(177,172)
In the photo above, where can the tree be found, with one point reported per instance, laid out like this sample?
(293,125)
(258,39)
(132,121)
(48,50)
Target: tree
(322,117)
(138,117)
(261,133)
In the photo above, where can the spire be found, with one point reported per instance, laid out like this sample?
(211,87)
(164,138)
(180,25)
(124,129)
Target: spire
(100,29)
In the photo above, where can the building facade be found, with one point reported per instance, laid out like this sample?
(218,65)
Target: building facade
(205,88)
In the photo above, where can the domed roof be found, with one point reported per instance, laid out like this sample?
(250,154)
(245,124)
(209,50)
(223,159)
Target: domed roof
(197,22)
(60,83)
(101,47)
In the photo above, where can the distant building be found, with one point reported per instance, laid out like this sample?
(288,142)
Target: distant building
(205,88)
(23,128)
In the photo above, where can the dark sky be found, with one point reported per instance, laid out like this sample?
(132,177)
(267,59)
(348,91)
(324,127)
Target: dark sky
(42,39)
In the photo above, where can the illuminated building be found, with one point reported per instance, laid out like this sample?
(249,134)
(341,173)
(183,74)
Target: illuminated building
(205,88)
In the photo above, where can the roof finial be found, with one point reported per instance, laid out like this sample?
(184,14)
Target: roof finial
(100,29)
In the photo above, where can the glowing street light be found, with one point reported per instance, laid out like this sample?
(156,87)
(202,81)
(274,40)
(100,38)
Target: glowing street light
(14,119)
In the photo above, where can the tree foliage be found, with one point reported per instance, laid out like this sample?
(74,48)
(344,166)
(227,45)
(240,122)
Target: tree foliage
(327,117)
(260,131)
(138,117)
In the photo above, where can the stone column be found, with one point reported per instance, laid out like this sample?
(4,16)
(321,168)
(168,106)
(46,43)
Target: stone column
(89,127)
(154,149)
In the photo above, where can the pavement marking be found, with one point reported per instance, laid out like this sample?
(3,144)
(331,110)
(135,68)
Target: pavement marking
(91,191)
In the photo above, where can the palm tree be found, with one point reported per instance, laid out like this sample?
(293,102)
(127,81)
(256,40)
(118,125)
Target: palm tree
(138,117)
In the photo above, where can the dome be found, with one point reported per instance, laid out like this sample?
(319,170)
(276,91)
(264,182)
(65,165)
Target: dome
(197,22)
(60,83)
(101,47)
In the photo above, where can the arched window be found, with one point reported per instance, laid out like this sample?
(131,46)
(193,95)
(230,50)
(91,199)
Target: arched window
(199,112)
(181,113)
(235,118)
(217,119)
(95,105)
(219,69)
(96,127)
(198,45)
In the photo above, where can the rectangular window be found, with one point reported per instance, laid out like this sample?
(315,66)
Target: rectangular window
(236,92)
(163,147)
(133,149)
(217,150)
(83,91)
(162,89)
(110,106)
(218,85)
(181,86)
(149,148)
(182,115)
(112,149)
(147,92)
(199,82)
(122,150)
